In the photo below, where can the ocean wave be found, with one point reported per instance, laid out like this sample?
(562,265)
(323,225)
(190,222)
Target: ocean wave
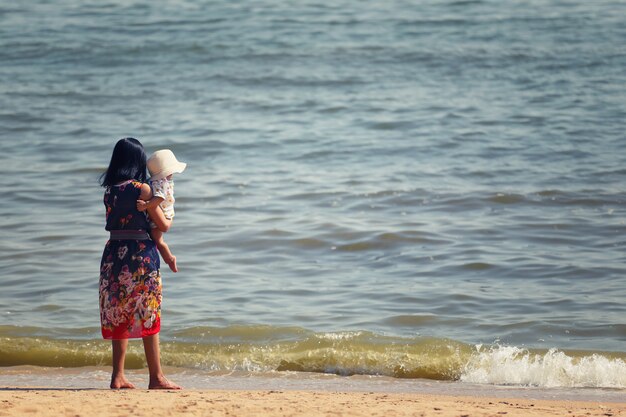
(268,349)
(511,365)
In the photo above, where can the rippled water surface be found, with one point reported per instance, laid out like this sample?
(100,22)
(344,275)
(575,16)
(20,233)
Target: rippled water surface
(441,169)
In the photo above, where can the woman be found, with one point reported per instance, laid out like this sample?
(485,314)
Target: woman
(130,281)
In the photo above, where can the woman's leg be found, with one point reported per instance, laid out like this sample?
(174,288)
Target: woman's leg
(153,357)
(118,380)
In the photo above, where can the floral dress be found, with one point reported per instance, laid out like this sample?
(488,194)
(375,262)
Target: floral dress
(130,282)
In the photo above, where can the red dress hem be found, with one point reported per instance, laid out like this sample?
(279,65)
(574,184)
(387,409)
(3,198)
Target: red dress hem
(122,332)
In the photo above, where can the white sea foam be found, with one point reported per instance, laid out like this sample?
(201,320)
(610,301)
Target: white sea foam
(338,335)
(510,365)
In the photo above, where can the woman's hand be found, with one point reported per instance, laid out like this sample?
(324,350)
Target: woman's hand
(142,205)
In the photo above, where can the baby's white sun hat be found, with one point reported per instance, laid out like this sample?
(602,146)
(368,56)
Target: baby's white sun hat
(163,163)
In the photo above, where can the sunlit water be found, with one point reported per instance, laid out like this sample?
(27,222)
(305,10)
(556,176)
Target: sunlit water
(436,170)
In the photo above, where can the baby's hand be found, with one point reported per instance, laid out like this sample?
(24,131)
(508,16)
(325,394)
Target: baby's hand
(142,205)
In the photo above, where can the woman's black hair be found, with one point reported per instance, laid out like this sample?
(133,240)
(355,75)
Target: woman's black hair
(128,162)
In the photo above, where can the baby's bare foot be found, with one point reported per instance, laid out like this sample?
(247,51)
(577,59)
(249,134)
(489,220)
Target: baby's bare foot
(162,383)
(172,264)
(120,382)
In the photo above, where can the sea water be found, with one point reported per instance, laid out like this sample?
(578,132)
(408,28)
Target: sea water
(426,189)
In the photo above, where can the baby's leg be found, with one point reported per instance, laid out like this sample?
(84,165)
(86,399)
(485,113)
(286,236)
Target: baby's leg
(164,250)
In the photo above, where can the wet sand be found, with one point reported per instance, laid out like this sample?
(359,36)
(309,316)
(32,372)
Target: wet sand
(140,403)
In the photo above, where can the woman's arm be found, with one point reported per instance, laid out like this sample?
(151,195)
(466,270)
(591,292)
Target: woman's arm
(146,192)
(146,205)
(157,216)
(147,199)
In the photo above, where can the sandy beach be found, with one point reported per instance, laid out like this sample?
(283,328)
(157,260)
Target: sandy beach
(98,402)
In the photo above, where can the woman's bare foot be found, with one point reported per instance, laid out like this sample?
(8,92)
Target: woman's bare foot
(172,264)
(120,382)
(162,383)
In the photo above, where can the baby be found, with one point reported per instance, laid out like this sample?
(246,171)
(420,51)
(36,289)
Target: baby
(162,165)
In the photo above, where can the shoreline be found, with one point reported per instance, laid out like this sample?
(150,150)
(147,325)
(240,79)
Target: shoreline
(104,402)
(97,378)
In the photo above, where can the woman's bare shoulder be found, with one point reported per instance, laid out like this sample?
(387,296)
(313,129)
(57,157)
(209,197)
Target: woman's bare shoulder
(146,192)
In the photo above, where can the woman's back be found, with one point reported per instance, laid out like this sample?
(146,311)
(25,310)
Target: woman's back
(130,281)
(121,207)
